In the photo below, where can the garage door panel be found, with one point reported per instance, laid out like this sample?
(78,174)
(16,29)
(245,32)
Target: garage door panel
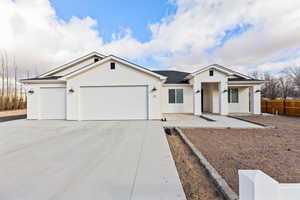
(52,103)
(113,103)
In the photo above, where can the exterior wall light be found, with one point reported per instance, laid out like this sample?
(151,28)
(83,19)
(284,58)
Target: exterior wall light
(30,91)
(71,90)
(257,91)
(224,91)
(197,91)
(154,89)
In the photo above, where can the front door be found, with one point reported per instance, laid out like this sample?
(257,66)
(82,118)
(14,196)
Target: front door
(202,106)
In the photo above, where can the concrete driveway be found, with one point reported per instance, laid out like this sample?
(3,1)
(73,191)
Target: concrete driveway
(86,160)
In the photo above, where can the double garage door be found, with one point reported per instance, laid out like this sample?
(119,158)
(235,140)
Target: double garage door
(97,103)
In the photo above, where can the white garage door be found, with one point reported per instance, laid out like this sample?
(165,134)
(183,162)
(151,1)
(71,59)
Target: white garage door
(113,103)
(53,103)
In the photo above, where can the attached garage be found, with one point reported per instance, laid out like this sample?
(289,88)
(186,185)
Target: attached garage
(106,89)
(114,103)
(52,103)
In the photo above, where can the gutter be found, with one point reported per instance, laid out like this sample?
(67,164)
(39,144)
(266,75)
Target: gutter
(245,82)
(42,81)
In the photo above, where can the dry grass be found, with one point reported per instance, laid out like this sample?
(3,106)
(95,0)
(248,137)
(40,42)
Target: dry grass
(12,112)
(12,103)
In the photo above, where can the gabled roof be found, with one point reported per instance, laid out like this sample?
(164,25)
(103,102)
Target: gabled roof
(174,77)
(63,67)
(115,58)
(218,68)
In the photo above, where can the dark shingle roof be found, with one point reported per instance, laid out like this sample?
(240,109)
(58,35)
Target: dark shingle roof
(174,77)
(44,78)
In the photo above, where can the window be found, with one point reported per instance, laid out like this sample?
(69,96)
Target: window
(96,59)
(211,72)
(233,95)
(175,96)
(112,66)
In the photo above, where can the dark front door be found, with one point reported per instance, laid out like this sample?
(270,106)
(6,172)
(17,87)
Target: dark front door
(202,100)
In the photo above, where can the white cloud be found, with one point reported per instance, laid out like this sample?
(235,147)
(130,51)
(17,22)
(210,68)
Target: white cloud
(36,36)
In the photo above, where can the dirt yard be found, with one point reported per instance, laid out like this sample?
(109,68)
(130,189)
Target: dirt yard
(196,184)
(274,151)
(12,113)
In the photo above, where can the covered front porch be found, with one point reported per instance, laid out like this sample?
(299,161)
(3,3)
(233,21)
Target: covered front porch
(224,98)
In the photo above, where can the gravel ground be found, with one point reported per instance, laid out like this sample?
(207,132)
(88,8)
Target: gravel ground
(12,113)
(274,151)
(196,184)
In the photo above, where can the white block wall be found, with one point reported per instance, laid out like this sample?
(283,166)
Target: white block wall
(243,105)
(256,185)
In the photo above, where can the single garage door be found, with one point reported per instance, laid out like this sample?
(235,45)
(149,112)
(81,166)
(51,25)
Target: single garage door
(53,103)
(114,103)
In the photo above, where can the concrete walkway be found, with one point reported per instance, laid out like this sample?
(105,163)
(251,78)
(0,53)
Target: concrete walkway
(219,122)
(86,161)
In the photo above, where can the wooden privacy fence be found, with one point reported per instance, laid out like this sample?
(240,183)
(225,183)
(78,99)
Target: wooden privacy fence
(281,107)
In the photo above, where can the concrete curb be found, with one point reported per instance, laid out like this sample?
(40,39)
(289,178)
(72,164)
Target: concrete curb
(257,123)
(207,118)
(221,184)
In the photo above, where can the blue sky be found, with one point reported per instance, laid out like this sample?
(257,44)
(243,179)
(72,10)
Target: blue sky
(114,16)
(186,34)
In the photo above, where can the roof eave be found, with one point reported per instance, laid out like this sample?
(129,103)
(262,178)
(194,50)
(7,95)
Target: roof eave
(41,81)
(246,82)
(111,57)
(62,67)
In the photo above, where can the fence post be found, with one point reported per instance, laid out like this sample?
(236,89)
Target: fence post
(284,106)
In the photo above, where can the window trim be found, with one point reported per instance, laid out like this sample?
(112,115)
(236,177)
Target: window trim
(175,95)
(230,100)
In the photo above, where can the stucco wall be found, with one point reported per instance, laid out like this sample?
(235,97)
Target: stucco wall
(243,105)
(219,103)
(33,100)
(185,107)
(102,75)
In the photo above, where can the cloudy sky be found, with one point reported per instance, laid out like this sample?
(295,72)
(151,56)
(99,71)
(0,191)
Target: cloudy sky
(244,35)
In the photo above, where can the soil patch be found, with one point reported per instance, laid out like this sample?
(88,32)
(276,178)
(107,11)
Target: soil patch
(195,181)
(274,151)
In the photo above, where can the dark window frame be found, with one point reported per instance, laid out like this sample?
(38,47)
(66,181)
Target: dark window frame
(173,95)
(230,95)
(211,72)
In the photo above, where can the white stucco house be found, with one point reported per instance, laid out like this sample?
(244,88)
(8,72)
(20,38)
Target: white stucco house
(98,87)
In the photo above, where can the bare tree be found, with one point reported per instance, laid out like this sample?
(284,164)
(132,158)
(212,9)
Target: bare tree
(16,79)
(294,74)
(286,87)
(7,73)
(271,88)
(255,74)
(2,74)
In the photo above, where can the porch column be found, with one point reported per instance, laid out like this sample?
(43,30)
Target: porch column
(197,97)
(223,90)
(255,100)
